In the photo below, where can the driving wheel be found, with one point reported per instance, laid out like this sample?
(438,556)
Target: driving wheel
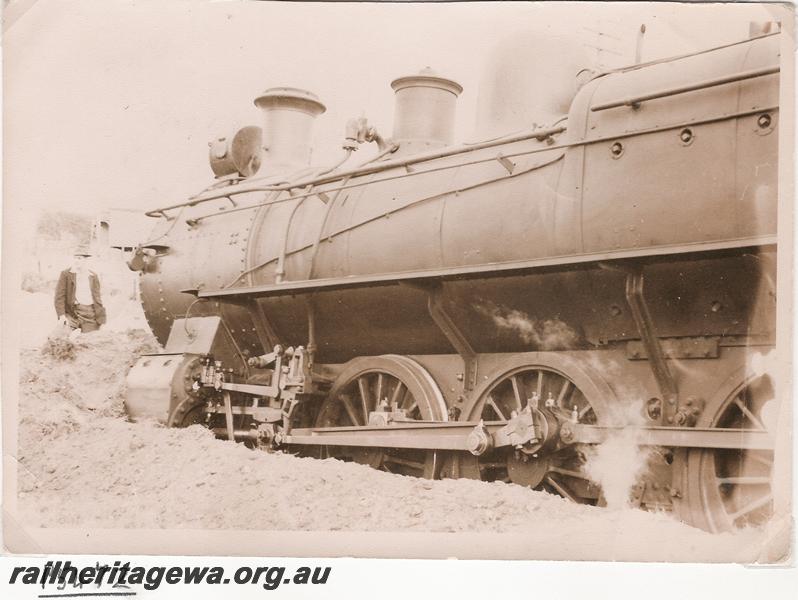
(723,489)
(390,381)
(561,389)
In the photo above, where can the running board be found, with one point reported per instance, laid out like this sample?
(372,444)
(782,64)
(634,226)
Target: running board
(496,269)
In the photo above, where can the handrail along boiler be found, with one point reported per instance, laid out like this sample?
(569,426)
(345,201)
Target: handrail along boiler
(486,310)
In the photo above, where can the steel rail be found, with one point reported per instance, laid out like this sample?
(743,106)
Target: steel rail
(701,85)
(577,143)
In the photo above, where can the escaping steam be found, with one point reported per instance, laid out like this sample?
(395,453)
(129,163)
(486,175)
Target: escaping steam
(762,364)
(765,365)
(618,463)
(546,334)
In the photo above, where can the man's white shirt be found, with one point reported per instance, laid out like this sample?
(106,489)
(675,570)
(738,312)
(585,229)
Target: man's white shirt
(83,287)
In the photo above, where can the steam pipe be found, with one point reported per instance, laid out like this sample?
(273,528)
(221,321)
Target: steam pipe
(388,150)
(347,154)
(392,164)
(380,216)
(196,220)
(312,345)
(280,273)
(368,168)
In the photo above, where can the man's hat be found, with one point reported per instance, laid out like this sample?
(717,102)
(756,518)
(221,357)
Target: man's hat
(82,251)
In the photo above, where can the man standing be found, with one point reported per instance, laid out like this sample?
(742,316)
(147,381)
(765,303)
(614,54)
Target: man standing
(77,295)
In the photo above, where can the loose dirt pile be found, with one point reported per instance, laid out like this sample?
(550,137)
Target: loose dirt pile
(68,384)
(81,464)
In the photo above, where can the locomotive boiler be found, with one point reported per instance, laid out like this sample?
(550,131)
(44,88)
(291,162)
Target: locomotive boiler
(491,310)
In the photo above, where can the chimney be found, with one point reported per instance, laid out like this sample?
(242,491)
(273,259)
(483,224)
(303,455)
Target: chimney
(288,115)
(424,111)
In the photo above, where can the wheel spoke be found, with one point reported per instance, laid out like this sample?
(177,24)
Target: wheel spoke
(362,385)
(379,390)
(744,480)
(586,409)
(494,406)
(405,462)
(397,391)
(540,385)
(493,465)
(569,473)
(519,402)
(561,397)
(350,410)
(751,506)
(560,489)
(730,487)
(768,462)
(751,417)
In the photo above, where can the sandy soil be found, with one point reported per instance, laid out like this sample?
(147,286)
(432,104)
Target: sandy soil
(81,464)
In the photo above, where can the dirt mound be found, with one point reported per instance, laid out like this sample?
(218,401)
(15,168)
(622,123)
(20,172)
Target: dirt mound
(59,347)
(67,382)
(82,464)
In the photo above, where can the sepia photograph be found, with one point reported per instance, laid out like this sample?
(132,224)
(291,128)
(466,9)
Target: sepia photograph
(482,280)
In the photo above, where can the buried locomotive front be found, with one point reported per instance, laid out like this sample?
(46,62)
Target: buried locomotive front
(501,310)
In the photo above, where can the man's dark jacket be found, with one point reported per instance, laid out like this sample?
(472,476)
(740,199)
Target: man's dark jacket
(65,295)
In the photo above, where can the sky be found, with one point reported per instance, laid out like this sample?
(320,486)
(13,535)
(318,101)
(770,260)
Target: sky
(111,103)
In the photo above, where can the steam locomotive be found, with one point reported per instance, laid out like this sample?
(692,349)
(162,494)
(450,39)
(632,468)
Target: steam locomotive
(491,310)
